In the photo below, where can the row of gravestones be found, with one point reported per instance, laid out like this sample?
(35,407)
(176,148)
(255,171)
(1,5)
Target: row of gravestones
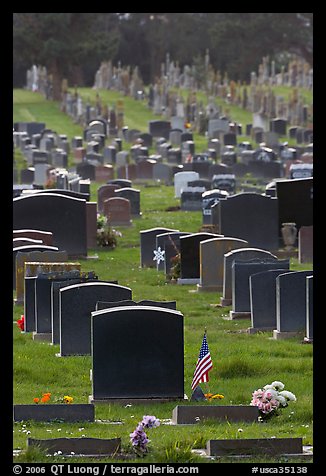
(85,315)
(256,218)
(148,167)
(209,261)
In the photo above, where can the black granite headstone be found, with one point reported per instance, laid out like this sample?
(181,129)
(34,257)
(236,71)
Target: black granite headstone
(162,240)
(64,216)
(309,309)
(295,201)
(159,128)
(251,217)
(76,303)
(291,305)
(241,254)
(141,349)
(241,272)
(189,249)
(148,245)
(262,288)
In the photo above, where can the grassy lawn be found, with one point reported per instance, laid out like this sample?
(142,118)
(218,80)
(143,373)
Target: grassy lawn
(242,362)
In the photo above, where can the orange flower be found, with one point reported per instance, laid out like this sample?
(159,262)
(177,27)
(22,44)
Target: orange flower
(46,397)
(36,400)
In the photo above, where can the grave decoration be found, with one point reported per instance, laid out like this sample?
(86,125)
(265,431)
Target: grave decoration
(203,366)
(271,398)
(106,236)
(138,437)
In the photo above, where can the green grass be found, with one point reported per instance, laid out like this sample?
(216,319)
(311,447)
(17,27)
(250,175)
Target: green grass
(242,362)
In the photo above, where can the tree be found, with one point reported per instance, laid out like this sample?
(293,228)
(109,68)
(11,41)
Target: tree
(63,42)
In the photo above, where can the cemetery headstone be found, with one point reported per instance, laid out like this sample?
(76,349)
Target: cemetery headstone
(239,254)
(291,305)
(148,251)
(189,256)
(262,287)
(251,217)
(241,272)
(306,239)
(309,337)
(153,371)
(76,302)
(64,216)
(118,211)
(181,180)
(211,254)
(295,201)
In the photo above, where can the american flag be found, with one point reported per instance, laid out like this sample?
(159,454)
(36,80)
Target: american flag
(203,365)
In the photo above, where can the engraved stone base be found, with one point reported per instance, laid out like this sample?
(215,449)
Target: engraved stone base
(209,289)
(78,446)
(254,330)
(190,414)
(225,301)
(253,446)
(42,336)
(56,411)
(240,315)
(285,334)
(188,281)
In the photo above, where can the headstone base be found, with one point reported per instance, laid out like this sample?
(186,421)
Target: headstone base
(78,446)
(254,330)
(209,289)
(192,414)
(285,334)
(225,302)
(308,340)
(54,411)
(42,336)
(188,281)
(253,446)
(239,315)
(134,401)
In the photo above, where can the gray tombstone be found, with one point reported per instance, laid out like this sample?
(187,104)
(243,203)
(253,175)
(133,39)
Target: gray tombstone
(152,371)
(76,303)
(291,305)
(212,253)
(241,272)
(251,217)
(239,254)
(148,251)
(64,216)
(262,288)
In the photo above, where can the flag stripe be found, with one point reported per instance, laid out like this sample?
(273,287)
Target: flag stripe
(203,365)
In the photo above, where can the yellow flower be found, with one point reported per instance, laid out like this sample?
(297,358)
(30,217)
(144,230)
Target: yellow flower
(68,399)
(210,396)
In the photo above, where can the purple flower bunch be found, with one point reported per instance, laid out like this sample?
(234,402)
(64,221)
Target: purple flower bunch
(139,438)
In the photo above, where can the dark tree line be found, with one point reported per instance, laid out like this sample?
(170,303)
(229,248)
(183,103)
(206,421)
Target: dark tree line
(72,45)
